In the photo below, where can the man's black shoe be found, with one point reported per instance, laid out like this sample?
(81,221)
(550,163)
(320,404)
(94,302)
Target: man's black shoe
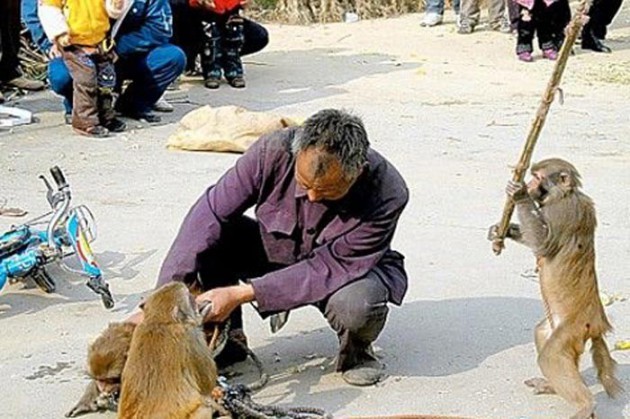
(590,41)
(366,373)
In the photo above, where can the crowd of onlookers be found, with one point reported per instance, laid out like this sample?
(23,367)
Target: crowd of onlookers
(117,57)
(545,19)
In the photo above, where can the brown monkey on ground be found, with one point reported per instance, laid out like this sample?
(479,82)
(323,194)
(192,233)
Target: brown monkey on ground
(106,360)
(557,221)
(170,372)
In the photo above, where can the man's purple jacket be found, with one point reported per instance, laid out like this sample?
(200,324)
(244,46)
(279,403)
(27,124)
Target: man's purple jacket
(323,245)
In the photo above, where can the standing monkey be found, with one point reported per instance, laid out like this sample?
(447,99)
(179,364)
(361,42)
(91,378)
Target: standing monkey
(169,372)
(557,221)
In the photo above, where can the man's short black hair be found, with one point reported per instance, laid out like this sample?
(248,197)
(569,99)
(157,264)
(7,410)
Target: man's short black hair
(338,133)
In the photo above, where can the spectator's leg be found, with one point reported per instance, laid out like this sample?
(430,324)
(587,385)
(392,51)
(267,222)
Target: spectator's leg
(544,16)
(211,54)
(594,31)
(496,15)
(513,14)
(468,16)
(61,82)
(456,6)
(10,38)
(357,312)
(187,32)
(434,13)
(150,75)
(232,44)
(85,91)
(256,37)
(526,28)
(560,16)
(474,12)
(31,20)
(603,14)
(106,79)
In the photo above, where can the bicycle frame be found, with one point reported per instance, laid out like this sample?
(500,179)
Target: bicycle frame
(26,250)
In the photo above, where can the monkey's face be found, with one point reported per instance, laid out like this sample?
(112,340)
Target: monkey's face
(537,186)
(108,386)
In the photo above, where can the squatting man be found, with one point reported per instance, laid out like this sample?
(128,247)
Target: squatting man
(326,208)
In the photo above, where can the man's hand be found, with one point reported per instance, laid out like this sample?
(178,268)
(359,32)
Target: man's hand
(224,301)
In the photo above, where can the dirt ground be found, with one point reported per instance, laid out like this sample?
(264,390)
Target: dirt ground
(451,112)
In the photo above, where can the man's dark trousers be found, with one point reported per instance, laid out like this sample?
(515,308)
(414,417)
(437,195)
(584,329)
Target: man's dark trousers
(357,312)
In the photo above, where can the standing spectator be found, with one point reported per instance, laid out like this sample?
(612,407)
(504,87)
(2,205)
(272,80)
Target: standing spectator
(546,19)
(470,14)
(10,74)
(435,12)
(601,15)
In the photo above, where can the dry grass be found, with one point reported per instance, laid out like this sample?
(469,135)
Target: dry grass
(322,11)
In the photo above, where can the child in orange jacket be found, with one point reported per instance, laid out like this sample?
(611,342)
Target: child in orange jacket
(79,30)
(223,40)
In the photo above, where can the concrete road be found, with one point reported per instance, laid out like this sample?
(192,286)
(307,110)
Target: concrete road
(451,112)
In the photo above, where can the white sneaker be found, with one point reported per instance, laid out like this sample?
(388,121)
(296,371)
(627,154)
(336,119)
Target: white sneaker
(431,19)
(163,106)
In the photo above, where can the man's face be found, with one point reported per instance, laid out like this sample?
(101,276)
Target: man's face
(321,175)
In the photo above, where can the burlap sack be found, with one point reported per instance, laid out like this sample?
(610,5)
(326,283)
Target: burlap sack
(224,129)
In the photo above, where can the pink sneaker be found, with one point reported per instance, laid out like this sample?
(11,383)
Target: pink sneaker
(526,56)
(550,54)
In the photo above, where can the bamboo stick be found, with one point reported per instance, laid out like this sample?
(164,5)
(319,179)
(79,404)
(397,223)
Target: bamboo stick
(498,241)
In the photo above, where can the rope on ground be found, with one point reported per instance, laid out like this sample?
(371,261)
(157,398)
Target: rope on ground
(237,399)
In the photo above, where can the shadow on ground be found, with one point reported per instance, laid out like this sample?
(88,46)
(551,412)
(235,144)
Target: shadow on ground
(456,335)
(26,298)
(274,79)
(605,406)
(282,78)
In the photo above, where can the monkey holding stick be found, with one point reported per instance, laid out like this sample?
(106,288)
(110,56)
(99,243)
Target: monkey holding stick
(557,221)
(170,372)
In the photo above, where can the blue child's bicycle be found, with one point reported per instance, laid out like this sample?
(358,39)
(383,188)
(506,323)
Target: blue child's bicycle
(25,250)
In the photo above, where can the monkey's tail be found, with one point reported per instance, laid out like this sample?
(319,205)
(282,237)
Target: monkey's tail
(605,366)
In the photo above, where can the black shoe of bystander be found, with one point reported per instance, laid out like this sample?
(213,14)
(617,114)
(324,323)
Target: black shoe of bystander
(590,41)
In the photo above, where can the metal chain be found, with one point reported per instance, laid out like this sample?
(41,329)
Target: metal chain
(237,399)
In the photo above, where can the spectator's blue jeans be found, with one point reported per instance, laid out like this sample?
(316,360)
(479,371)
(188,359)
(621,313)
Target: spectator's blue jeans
(31,20)
(437,6)
(150,74)
(61,81)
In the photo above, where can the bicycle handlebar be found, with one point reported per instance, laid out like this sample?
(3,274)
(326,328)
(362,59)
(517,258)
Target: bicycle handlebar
(58,176)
